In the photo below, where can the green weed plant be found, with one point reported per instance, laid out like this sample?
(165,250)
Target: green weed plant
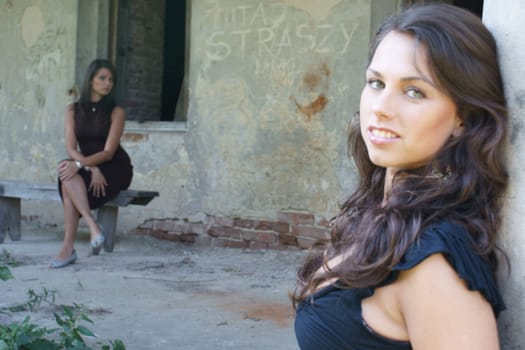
(69,335)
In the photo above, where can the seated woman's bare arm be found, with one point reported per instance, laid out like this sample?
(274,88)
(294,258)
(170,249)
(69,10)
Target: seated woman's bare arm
(118,117)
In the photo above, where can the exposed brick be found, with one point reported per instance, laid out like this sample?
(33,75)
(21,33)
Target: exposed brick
(305,242)
(187,237)
(134,137)
(197,228)
(141,231)
(281,227)
(163,235)
(320,233)
(322,221)
(244,223)
(180,227)
(264,225)
(203,240)
(230,243)
(211,220)
(198,218)
(259,236)
(278,246)
(287,239)
(296,217)
(257,245)
(226,222)
(145,36)
(164,225)
(220,231)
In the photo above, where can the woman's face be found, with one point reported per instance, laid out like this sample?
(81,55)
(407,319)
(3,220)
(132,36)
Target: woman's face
(405,119)
(102,83)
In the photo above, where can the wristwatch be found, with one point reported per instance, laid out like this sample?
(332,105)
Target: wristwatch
(78,164)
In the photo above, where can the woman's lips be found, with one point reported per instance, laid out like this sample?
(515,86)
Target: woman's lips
(380,135)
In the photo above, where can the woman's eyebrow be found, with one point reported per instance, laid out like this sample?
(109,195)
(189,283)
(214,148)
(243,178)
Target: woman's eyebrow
(404,79)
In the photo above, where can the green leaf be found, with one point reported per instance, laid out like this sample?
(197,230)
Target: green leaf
(118,345)
(68,312)
(85,318)
(58,319)
(5,273)
(42,344)
(85,331)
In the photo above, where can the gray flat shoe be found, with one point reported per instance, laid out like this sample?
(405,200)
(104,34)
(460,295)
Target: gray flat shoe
(98,242)
(56,264)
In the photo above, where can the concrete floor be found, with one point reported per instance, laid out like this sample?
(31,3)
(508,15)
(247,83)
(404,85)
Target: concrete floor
(154,294)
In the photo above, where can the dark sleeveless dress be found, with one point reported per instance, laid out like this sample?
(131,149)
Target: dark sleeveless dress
(91,131)
(331,319)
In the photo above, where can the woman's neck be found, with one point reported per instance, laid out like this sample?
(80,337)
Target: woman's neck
(95,98)
(389,178)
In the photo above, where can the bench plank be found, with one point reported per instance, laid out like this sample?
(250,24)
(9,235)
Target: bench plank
(28,190)
(10,218)
(12,191)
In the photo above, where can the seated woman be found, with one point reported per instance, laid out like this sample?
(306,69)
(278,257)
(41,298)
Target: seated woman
(98,167)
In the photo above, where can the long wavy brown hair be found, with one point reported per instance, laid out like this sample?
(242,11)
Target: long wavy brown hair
(465,181)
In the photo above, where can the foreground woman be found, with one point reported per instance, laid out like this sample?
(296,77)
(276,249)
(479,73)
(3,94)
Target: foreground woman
(412,258)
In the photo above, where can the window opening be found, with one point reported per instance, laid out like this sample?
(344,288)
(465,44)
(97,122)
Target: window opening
(150,48)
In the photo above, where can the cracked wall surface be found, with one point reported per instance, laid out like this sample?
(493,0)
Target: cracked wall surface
(271,88)
(504,19)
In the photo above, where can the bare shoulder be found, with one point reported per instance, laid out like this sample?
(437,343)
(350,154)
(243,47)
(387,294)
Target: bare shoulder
(118,110)
(426,270)
(70,112)
(440,311)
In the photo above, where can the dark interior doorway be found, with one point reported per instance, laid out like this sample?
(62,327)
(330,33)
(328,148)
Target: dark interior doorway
(475,6)
(174,57)
(148,43)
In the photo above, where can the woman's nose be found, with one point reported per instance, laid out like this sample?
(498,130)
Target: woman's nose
(384,104)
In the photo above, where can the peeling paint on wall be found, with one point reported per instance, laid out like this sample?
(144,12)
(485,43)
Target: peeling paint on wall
(134,137)
(32,25)
(312,91)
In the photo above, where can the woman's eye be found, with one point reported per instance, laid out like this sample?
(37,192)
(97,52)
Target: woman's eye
(375,84)
(415,93)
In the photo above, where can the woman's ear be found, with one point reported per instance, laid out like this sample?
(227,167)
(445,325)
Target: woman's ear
(458,128)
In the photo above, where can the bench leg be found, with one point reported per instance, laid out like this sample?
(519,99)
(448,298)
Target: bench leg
(107,217)
(10,218)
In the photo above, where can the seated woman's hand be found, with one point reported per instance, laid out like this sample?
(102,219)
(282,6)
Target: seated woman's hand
(98,183)
(67,169)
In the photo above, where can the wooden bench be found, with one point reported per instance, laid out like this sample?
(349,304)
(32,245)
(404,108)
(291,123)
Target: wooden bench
(12,191)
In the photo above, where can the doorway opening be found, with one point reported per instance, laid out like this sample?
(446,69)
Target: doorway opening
(151,58)
(475,6)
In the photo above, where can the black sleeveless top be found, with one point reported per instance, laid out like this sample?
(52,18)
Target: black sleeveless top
(92,124)
(332,319)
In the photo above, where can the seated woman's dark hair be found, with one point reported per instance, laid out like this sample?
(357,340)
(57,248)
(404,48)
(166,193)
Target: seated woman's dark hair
(108,101)
(464,183)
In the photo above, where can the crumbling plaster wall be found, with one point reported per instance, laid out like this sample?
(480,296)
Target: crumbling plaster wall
(36,72)
(504,18)
(272,85)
